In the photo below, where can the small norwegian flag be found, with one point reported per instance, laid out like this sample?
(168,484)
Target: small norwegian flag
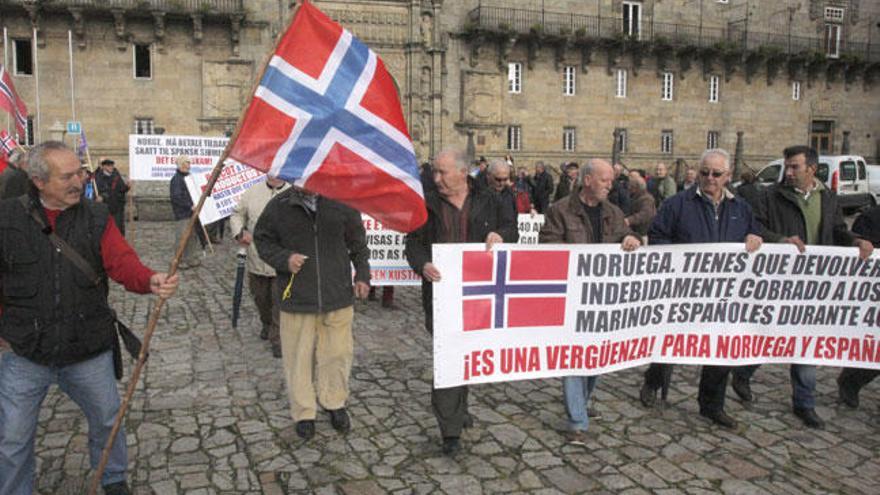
(508,289)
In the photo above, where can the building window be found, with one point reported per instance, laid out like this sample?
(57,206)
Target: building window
(568,80)
(666,141)
(514,77)
(143,63)
(514,138)
(796,90)
(23,54)
(620,83)
(834,14)
(622,141)
(832,40)
(667,86)
(712,138)
(714,83)
(632,19)
(28,138)
(143,126)
(569,139)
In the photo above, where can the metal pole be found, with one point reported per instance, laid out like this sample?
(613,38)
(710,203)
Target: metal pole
(72,86)
(39,134)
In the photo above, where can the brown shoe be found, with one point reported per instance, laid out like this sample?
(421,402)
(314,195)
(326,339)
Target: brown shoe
(576,437)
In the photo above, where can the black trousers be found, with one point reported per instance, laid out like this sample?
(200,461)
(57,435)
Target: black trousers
(713,384)
(856,378)
(450,405)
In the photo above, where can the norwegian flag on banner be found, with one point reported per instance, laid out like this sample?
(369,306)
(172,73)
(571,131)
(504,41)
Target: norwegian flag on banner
(326,117)
(10,102)
(508,289)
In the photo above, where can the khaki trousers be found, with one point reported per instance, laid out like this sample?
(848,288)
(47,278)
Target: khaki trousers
(323,342)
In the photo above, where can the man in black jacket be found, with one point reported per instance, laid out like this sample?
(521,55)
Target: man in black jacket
(14,180)
(457,212)
(543,187)
(112,188)
(800,211)
(182,207)
(311,242)
(851,380)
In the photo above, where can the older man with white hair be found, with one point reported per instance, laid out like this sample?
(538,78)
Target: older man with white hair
(706,213)
(457,212)
(586,218)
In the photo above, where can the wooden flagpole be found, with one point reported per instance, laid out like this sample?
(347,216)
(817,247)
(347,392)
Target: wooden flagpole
(187,233)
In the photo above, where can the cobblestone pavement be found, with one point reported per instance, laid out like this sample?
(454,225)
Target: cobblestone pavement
(211,417)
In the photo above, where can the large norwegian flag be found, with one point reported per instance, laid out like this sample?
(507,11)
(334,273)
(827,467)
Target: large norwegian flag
(10,102)
(326,117)
(508,289)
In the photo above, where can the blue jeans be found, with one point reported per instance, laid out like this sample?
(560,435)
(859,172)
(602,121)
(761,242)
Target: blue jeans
(803,383)
(577,391)
(23,386)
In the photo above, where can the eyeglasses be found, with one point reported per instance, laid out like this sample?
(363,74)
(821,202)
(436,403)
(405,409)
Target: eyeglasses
(715,173)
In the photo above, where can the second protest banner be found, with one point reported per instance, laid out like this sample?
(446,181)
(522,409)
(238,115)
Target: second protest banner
(523,312)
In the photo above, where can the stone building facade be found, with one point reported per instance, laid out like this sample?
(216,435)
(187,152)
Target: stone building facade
(549,79)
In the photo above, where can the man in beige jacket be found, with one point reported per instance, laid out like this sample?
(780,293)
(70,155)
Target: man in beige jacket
(261,276)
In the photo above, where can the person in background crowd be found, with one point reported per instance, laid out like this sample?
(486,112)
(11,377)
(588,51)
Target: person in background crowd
(316,240)
(567,178)
(499,183)
(481,176)
(182,207)
(112,188)
(90,191)
(851,380)
(690,179)
(665,184)
(524,183)
(619,195)
(457,213)
(14,180)
(261,276)
(543,187)
(706,213)
(642,208)
(56,316)
(749,188)
(426,177)
(802,212)
(586,218)
(387,296)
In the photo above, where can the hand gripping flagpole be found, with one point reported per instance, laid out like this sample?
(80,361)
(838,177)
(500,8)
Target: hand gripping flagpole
(187,233)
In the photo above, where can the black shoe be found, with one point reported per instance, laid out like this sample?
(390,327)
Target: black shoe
(451,445)
(847,394)
(647,395)
(719,418)
(340,420)
(276,350)
(468,421)
(593,413)
(305,429)
(264,333)
(742,388)
(809,417)
(118,488)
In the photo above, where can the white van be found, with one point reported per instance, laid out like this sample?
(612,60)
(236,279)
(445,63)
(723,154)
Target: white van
(847,175)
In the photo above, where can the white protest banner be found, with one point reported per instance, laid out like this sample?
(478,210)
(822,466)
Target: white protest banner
(529,226)
(388,265)
(234,180)
(523,312)
(153,157)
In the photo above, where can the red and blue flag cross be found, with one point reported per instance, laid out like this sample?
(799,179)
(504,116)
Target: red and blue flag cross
(328,111)
(527,291)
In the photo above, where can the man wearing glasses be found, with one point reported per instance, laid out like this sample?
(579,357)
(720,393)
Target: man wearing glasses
(706,213)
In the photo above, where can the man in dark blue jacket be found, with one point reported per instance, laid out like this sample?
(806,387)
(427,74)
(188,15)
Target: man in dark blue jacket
(706,213)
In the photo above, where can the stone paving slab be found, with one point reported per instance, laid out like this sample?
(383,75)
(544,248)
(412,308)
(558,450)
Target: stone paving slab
(211,417)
